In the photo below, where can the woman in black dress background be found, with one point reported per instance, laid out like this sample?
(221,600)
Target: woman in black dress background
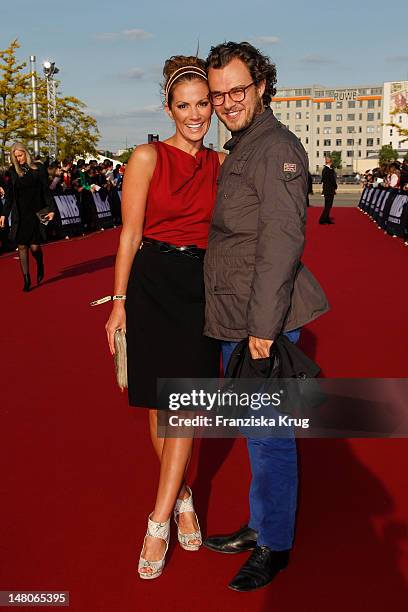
(28,194)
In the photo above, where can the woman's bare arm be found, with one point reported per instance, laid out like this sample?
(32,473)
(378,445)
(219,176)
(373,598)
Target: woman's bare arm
(136,184)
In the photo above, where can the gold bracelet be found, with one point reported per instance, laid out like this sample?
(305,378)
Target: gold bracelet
(108,298)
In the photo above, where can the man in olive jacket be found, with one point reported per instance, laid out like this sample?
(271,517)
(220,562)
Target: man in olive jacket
(256,285)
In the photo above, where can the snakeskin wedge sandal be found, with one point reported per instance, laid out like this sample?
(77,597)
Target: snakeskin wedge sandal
(186,505)
(155,530)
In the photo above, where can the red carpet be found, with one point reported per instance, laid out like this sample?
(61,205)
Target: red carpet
(78,472)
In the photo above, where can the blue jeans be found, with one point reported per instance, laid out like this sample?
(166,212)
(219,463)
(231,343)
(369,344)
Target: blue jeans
(273,490)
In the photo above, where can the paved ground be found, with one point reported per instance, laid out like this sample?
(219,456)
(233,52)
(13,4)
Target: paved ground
(341,199)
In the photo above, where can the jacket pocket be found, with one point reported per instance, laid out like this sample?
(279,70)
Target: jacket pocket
(229,274)
(238,198)
(228,281)
(239,164)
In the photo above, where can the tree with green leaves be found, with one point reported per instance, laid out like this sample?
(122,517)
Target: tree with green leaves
(387,154)
(15,117)
(124,158)
(401,131)
(336,159)
(77,132)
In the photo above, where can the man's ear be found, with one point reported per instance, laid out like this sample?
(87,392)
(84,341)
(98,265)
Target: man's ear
(261,88)
(168,111)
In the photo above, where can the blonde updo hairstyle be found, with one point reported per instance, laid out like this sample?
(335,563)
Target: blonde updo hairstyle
(179,68)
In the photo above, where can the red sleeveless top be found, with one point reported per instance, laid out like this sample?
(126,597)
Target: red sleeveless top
(181,196)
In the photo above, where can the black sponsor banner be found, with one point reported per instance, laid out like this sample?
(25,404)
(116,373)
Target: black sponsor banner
(363,199)
(373,201)
(103,210)
(388,208)
(397,218)
(380,204)
(68,210)
(385,207)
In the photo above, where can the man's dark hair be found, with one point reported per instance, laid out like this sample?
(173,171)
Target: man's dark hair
(259,65)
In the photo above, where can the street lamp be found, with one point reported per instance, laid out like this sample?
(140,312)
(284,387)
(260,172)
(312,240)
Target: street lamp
(35,107)
(50,70)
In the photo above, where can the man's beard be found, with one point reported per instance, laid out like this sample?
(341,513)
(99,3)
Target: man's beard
(248,120)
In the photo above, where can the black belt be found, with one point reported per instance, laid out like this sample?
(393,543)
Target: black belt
(191,250)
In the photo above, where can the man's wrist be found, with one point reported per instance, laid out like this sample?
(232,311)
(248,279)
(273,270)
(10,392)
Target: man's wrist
(260,337)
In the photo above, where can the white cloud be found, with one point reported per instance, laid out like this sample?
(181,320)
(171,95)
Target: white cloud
(137,34)
(152,110)
(135,73)
(266,40)
(316,59)
(133,34)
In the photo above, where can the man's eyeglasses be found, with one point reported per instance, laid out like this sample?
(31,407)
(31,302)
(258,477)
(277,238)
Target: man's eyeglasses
(237,94)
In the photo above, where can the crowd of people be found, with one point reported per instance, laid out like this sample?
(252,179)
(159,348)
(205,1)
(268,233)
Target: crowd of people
(388,176)
(80,178)
(91,176)
(384,198)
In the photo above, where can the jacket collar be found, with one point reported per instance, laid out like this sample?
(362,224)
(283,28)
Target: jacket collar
(256,124)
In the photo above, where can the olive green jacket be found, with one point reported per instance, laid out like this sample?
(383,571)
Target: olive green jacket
(255,281)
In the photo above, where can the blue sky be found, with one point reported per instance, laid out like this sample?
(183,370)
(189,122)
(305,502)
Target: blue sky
(111,53)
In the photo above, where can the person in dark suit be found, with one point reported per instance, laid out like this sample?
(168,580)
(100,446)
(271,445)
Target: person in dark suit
(309,187)
(404,174)
(329,185)
(27,197)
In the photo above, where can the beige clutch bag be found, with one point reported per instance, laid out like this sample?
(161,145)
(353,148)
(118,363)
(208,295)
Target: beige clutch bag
(120,359)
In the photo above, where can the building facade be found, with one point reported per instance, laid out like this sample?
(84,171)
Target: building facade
(344,119)
(395,101)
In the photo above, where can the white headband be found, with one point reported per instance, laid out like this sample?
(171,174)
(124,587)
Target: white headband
(186,70)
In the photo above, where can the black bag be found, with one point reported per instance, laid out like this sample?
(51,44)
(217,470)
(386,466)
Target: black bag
(42,214)
(288,371)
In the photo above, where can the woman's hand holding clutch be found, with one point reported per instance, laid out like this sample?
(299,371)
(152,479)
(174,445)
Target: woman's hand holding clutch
(117,320)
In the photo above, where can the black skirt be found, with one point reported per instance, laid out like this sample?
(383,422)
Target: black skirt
(164,324)
(29,229)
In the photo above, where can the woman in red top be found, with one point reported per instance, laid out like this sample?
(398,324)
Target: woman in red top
(168,197)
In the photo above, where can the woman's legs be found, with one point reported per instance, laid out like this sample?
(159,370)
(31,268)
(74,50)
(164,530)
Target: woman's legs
(174,455)
(23,255)
(37,253)
(158,447)
(156,441)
